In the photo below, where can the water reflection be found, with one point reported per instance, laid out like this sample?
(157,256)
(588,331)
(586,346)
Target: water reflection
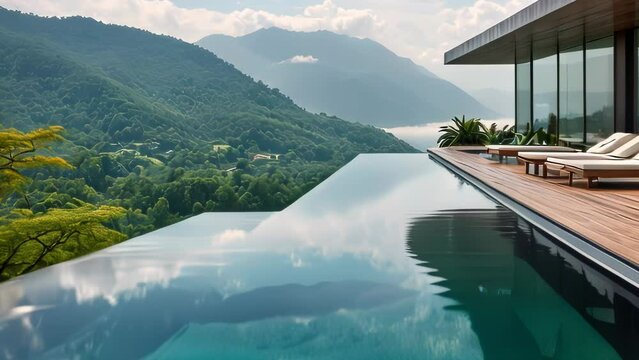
(328,277)
(334,261)
(526,296)
(137,326)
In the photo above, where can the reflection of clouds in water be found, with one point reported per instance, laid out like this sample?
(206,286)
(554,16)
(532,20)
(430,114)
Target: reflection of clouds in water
(36,342)
(229,236)
(370,227)
(20,311)
(11,295)
(425,136)
(127,270)
(297,261)
(373,230)
(116,277)
(303,320)
(353,227)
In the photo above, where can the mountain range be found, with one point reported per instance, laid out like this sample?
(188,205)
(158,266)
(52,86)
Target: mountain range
(355,79)
(109,83)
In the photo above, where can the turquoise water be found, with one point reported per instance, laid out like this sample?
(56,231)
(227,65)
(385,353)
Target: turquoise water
(393,257)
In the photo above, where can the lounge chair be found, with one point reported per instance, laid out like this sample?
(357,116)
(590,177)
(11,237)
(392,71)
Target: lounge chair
(513,150)
(595,169)
(604,150)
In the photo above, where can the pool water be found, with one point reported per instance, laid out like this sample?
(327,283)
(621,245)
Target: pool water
(393,257)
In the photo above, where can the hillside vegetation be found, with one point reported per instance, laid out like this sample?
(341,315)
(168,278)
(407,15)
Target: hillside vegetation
(160,127)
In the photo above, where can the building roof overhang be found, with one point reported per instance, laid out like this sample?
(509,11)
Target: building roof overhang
(545,19)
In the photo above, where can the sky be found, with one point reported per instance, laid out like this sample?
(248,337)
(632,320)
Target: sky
(421,30)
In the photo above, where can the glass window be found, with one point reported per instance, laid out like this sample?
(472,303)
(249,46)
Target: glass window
(545,86)
(599,89)
(571,95)
(522,93)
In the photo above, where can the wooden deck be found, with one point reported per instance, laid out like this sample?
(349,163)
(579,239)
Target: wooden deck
(607,215)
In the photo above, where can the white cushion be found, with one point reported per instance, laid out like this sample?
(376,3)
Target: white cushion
(631,148)
(612,143)
(563,155)
(530,148)
(598,164)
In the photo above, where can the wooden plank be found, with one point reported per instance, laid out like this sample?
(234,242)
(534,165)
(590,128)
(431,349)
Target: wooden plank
(606,215)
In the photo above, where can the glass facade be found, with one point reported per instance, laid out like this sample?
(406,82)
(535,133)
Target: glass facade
(571,95)
(567,89)
(523,92)
(599,89)
(523,95)
(545,87)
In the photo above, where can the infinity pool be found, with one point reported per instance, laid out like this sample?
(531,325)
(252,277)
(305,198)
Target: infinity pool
(393,257)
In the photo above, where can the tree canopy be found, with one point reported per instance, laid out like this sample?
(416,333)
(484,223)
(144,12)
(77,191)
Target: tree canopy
(156,126)
(19,152)
(30,240)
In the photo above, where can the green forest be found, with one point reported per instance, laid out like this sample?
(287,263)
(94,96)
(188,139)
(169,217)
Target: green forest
(155,130)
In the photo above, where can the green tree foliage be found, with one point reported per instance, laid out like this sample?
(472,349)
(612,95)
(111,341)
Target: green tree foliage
(133,87)
(474,132)
(497,136)
(532,137)
(30,241)
(44,235)
(462,132)
(160,213)
(145,114)
(18,152)
(160,127)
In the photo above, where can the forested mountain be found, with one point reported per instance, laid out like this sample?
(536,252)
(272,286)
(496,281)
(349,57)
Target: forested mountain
(161,127)
(357,79)
(122,84)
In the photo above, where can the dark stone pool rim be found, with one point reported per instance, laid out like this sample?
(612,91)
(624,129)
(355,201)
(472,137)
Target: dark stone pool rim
(617,266)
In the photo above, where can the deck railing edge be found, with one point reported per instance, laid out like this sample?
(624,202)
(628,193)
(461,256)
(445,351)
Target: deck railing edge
(595,253)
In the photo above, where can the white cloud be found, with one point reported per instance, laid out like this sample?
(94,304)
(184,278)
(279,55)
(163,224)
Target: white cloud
(301,59)
(420,30)
(164,17)
(425,30)
(458,25)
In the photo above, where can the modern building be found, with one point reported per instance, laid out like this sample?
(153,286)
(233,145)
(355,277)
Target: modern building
(575,65)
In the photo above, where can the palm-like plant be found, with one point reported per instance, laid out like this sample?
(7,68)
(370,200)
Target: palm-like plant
(462,132)
(497,136)
(530,137)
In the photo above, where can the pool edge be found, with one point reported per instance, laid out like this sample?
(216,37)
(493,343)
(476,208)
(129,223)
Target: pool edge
(594,253)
